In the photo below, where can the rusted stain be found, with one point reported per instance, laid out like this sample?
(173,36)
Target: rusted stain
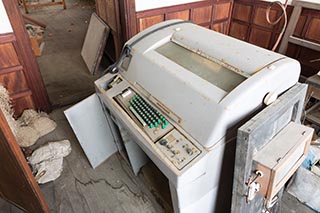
(260,68)
(221,62)
(205,98)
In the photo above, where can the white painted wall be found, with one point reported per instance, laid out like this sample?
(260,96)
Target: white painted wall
(5,26)
(282,1)
(142,5)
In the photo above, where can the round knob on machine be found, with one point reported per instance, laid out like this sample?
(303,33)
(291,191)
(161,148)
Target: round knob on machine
(163,142)
(189,151)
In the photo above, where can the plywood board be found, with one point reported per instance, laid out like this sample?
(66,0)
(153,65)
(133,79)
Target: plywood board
(92,130)
(94,43)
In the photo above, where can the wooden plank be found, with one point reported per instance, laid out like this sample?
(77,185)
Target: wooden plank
(304,43)
(94,43)
(10,69)
(33,21)
(311,4)
(6,38)
(44,4)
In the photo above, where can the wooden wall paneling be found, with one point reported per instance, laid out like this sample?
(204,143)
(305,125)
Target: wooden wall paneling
(8,55)
(253,15)
(12,75)
(26,56)
(239,30)
(221,27)
(248,23)
(299,27)
(146,22)
(292,50)
(260,37)
(306,28)
(109,12)
(201,15)
(221,11)
(101,9)
(313,31)
(20,101)
(14,82)
(183,15)
(128,21)
(106,10)
(260,17)
(242,12)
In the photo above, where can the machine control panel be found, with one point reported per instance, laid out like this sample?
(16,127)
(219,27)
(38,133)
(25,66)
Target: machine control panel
(150,120)
(179,150)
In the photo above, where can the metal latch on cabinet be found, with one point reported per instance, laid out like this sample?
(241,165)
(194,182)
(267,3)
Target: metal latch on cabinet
(253,187)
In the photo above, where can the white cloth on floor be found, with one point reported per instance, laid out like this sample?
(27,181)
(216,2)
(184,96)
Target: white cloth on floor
(48,160)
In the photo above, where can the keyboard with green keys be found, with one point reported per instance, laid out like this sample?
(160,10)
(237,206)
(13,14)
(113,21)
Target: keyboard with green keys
(152,121)
(146,114)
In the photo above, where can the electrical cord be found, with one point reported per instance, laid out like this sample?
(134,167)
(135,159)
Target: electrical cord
(114,68)
(284,14)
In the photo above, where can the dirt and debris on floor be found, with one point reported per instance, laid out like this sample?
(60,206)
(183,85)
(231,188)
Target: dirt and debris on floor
(65,75)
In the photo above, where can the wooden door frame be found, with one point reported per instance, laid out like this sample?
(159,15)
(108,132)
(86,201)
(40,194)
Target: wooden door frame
(20,164)
(28,59)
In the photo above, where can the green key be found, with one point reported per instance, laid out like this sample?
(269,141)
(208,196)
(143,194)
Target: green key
(163,126)
(151,125)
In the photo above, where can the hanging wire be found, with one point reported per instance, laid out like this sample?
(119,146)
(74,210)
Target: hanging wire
(283,15)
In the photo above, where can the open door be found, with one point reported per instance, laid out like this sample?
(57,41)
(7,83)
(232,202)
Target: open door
(17,184)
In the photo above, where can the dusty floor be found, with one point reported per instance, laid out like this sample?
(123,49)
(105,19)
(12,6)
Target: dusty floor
(111,187)
(65,74)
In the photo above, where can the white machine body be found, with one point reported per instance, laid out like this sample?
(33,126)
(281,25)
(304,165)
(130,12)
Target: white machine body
(201,84)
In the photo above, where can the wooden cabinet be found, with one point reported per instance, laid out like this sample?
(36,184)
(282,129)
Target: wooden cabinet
(19,71)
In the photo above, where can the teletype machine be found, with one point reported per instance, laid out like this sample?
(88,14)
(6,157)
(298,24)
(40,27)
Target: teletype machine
(181,92)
